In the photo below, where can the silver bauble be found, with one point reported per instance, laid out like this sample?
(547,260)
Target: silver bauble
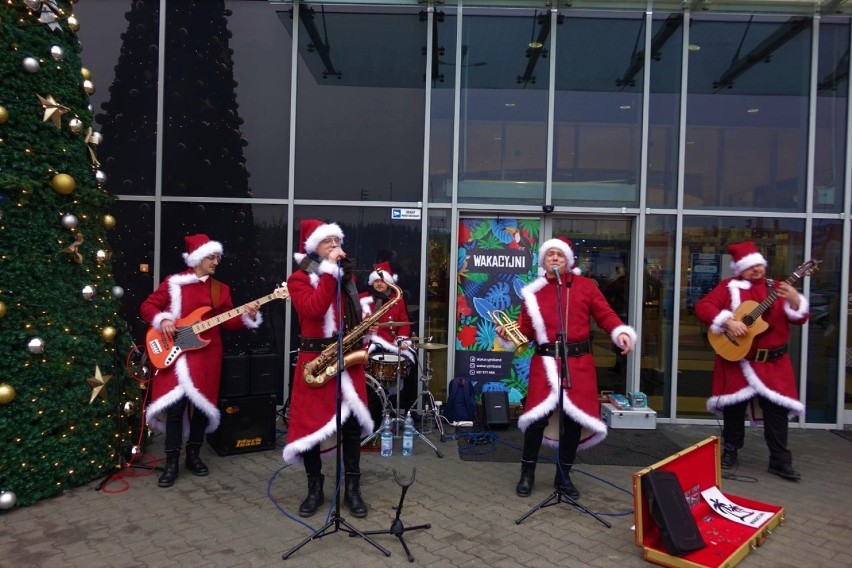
(89,87)
(36,345)
(100,177)
(100,255)
(8,499)
(88,291)
(96,138)
(135,451)
(57,53)
(31,64)
(90,107)
(128,408)
(75,125)
(69,221)
(117,291)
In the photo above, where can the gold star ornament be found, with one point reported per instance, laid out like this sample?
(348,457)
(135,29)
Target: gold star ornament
(52,110)
(98,382)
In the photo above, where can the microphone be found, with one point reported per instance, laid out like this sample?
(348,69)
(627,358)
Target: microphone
(555,269)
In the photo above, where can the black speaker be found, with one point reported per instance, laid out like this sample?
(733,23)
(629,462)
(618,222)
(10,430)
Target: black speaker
(495,407)
(670,511)
(247,425)
(264,374)
(236,376)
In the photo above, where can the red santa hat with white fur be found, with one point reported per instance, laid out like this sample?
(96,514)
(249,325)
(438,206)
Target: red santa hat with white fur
(199,247)
(567,248)
(744,256)
(312,232)
(387,274)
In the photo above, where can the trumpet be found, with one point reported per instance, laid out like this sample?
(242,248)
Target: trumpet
(512,330)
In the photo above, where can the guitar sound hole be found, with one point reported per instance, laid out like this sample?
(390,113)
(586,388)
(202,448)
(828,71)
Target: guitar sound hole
(748,320)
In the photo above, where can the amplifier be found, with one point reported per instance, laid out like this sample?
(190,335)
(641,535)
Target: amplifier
(247,425)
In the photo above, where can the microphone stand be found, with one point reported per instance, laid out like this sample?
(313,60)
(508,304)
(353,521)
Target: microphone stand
(336,520)
(559,496)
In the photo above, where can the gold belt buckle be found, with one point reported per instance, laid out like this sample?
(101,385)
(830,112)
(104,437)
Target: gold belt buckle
(761,355)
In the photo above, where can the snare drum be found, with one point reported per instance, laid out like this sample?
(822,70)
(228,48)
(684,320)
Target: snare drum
(383,366)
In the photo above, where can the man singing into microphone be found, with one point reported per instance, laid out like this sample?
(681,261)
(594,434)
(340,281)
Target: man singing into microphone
(539,320)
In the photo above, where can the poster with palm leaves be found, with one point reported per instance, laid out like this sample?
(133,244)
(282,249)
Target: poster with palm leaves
(496,258)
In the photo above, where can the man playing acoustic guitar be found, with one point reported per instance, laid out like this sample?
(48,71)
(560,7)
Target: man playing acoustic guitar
(188,390)
(766,372)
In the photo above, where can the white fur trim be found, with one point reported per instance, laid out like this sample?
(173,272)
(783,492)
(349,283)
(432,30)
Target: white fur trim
(184,387)
(366,306)
(623,329)
(794,407)
(377,342)
(390,279)
(718,323)
(252,323)
(328,267)
(323,232)
(715,404)
(566,250)
(351,404)
(159,318)
(747,262)
(298,256)
(797,315)
(734,287)
(199,254)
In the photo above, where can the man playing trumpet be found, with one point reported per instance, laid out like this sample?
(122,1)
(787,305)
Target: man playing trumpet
(539,320)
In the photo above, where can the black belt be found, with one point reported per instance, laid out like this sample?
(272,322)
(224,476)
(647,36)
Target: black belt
(572,349)
(767,355)
(315,344)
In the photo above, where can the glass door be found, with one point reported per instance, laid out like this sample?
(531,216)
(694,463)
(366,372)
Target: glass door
(603,251)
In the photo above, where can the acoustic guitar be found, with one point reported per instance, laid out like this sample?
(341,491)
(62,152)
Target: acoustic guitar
(164,351)
(750,312)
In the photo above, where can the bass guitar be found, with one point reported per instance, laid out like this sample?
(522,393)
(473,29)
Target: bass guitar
(749,312)
(164,351)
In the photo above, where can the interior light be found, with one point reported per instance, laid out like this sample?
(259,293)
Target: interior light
(753,110)
(693,47)
(535,45)
(509,105)
(624,107)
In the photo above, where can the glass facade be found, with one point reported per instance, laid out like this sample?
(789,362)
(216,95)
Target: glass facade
(651,138)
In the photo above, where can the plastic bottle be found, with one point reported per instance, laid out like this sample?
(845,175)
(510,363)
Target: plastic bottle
(408,435)
(387,437)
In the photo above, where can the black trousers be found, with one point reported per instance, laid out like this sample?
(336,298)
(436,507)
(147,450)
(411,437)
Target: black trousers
(174,424)
(351,449)
(569,440)
(775,426)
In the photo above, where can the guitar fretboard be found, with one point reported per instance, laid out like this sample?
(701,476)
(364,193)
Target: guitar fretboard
(773,294)
(230,314)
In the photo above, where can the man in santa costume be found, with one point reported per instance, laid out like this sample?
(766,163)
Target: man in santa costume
(581,299)
(766,374)
(188,390)
(388,344)
(313,291)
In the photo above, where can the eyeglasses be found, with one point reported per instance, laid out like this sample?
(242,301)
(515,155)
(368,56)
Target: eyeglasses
(216,257)
(331,241)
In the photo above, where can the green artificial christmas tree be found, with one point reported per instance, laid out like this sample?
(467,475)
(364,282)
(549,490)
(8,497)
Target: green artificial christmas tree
(69,412)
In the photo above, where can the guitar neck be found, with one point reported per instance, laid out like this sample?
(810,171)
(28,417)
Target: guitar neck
(230,314)
(773,294)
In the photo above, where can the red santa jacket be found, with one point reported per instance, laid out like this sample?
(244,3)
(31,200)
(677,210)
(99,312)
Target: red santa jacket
(736,381)
(196,373)
(313,410)
(539,321)
(385,338)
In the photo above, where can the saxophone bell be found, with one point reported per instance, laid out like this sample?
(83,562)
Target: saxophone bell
(511,329)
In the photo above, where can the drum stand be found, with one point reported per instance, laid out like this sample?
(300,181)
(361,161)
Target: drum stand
(429,399)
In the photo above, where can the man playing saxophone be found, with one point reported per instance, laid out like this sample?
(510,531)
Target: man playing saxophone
(313,290)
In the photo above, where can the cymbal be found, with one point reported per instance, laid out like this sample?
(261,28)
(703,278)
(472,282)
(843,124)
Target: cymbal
(393,324)
(430,346)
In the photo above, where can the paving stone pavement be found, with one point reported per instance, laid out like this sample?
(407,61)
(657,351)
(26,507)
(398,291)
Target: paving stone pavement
(244,514)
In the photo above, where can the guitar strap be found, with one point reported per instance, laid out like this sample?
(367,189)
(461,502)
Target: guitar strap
(215,291)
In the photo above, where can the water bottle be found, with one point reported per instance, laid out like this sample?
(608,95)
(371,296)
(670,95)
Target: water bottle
(387,437)
(408,435)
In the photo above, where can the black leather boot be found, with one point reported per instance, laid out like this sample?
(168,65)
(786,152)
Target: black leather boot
(352,496)
(170,471)
(315,496)
(565,485)
(527,480)
(193,462)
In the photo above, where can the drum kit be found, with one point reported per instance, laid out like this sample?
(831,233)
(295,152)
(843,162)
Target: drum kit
(385,372)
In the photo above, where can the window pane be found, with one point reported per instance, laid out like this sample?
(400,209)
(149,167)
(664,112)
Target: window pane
(598,113)
(505,77)
(361,99)
(705,263)
(443,106)
(747,113)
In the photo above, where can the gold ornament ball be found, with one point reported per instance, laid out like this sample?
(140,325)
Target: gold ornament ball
(2,309)
(89,87)
(108,333)
(75,125)
(7,393)
(63,184)
(4,115)
(85,73)
(73,23)
(109,222)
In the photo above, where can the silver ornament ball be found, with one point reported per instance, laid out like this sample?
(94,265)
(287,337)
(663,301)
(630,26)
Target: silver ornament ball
(117,291)
(36,345)
(69,221)
(75,125)
(88,292)
(30,64)
(8,499)
(100,177)
(96,138)
(128,408)
(135,450)
(100,255)
(57,53)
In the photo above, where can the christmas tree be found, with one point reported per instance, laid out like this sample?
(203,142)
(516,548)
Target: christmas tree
(69,413)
